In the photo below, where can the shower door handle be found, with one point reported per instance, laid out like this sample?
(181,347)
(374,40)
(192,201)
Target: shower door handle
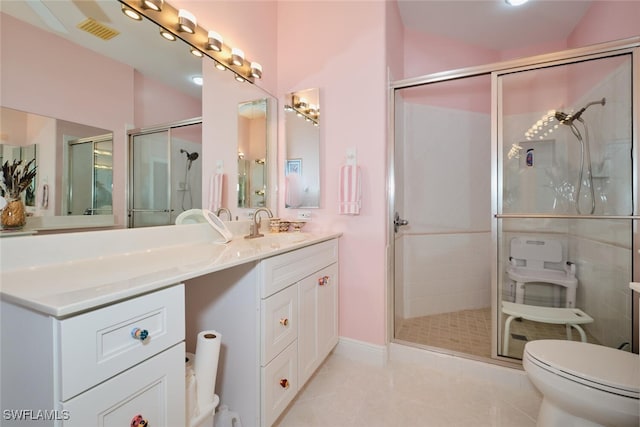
(398,222)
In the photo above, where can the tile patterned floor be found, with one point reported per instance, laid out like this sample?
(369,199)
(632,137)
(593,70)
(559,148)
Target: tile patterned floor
(345,393)
(469,331)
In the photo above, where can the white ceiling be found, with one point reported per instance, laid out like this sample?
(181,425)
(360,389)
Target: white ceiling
(493,24)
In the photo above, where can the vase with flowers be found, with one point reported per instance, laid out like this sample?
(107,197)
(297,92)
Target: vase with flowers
(16,178)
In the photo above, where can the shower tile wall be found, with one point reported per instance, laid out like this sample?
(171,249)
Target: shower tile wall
(446,272)
(446,198)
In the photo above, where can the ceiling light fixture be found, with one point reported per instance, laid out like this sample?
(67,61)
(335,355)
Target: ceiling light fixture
(131,13)
(515,2)
(237,56)
(180,24)
(256,70)
(196,52)
(214,41)
(186,21)
(152,4)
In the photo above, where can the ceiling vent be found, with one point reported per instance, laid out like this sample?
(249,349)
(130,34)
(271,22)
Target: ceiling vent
(99,30)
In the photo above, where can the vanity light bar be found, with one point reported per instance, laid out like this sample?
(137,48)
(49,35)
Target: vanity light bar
(168,19)
(310,113)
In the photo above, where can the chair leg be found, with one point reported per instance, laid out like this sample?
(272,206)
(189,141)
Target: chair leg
(583,336)
(507,335)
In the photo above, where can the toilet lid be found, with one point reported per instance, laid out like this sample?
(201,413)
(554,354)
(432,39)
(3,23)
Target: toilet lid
(597,366)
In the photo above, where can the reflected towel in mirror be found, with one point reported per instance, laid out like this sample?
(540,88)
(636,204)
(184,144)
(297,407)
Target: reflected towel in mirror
(294,189)
(215,191)
(349,193)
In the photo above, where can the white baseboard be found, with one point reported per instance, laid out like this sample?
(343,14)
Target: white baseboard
(362,351)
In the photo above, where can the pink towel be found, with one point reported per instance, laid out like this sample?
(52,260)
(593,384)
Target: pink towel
(349,193)
(215,191)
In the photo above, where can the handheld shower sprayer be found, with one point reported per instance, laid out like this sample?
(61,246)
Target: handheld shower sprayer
(567,119)
(585,156)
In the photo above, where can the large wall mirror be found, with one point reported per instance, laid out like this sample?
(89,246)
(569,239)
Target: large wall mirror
(302,165)
(135,79)
(252,154)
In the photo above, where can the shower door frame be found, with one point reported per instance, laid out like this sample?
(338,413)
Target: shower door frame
(631,46)
(131,134)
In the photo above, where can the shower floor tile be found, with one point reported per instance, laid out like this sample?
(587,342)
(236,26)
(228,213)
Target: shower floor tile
(469,332)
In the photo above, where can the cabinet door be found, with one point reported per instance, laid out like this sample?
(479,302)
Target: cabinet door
(317,320)
(328,311)
(153,390)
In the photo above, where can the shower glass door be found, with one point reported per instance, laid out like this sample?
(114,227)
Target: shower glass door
(150,185)
(442,176)
(564,209)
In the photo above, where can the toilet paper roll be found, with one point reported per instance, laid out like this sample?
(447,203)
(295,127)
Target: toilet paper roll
(191,399)
(205,366)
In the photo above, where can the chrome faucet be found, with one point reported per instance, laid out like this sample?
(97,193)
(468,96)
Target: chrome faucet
(227,211)
(254,228)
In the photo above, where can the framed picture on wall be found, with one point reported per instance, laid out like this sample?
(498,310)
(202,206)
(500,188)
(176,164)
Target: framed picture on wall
(293,166)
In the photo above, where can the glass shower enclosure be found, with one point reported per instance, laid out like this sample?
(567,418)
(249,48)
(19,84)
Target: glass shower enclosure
(564,220)
(165,172)
(515,198)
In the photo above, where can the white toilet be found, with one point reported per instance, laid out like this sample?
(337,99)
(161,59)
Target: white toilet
(584,385)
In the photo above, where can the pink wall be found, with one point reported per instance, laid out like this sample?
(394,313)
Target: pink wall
(606,21)
(156,103)
(332,46)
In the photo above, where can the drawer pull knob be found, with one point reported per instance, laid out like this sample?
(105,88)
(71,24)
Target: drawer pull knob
(139,421)
(140,334)
(284,383)
(284,321)
(323,280)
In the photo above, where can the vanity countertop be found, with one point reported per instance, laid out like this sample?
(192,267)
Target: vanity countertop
(62,287)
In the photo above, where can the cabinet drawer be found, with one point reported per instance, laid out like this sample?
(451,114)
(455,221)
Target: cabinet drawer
(97,345)
(154,389)
(279,322)
(280,271)
(279,384)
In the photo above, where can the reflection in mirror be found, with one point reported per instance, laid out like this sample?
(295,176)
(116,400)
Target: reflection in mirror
(74,163)
(131,78)
(90,176)
(302,167)
(25,154)
(252,154)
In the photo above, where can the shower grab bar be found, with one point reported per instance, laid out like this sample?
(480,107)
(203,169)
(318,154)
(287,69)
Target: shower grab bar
(549,216)
(151,210)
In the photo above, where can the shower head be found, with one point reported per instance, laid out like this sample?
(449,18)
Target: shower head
(567,119)
(190,156)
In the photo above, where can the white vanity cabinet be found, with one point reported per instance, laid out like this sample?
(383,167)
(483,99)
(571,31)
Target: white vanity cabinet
(93,368)
(299,321)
